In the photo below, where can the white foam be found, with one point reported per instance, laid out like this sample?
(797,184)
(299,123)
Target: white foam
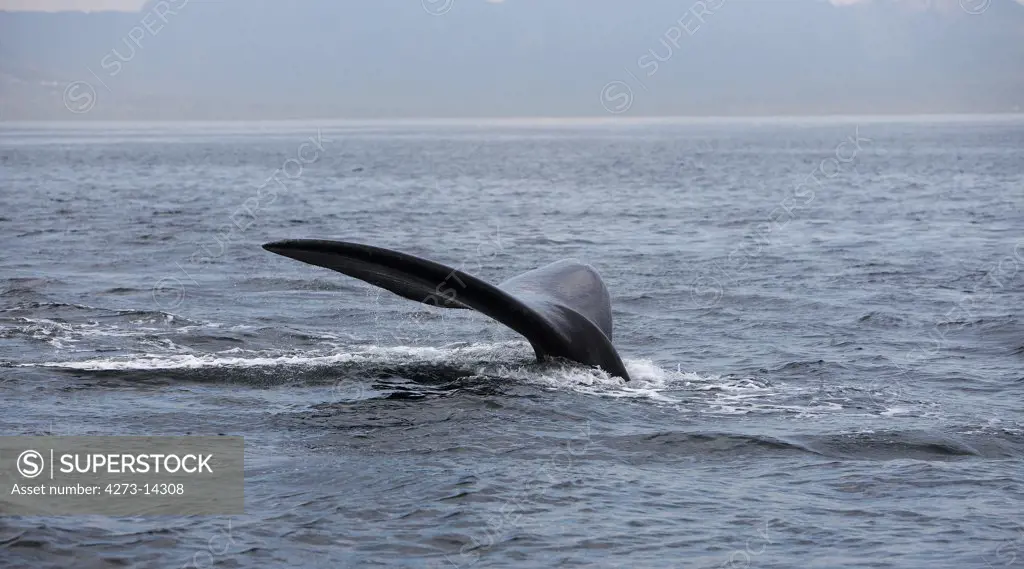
(57,334)
(647,380)
(896,411)
(63,335)
(248,359)
(686,390)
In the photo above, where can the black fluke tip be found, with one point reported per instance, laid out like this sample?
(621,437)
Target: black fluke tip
(276,246)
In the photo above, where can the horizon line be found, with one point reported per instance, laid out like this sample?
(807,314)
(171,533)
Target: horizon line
(595,119)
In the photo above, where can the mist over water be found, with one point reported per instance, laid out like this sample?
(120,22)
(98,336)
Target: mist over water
(821,318)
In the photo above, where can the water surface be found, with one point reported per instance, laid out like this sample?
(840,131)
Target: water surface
(821,318)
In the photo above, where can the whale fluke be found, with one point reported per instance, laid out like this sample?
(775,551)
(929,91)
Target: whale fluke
(563,309)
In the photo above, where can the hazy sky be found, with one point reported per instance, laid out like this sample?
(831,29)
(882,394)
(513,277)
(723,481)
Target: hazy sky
(249,59)
(134,5)
(62,5)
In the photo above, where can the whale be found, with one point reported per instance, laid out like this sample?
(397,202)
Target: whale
(563,309)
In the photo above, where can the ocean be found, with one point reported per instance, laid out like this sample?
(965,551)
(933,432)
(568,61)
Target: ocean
(821,318)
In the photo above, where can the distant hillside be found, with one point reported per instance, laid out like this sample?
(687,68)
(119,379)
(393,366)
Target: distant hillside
(391,58)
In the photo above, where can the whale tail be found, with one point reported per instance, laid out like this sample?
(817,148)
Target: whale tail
(563,309)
